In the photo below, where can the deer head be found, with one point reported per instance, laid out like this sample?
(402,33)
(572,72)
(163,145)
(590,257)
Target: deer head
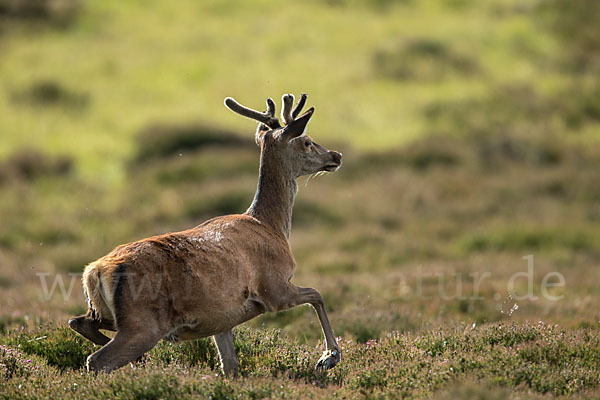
(288,145)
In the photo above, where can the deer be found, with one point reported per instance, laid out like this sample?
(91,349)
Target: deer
(206,280)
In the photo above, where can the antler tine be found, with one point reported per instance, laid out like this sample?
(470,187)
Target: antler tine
(270,107)
(271,113)
(268,118)
(286,111)
(299,106)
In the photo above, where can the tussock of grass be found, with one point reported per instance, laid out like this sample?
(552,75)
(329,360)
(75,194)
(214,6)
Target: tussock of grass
(163,140)
(28,164)
(228,203)
(55,13)
(212,163)
(308,213)
(524,240)
(59,346)
(47,93)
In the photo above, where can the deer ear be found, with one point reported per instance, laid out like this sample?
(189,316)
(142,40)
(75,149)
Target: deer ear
(263,137)
(297,126)
(261,129)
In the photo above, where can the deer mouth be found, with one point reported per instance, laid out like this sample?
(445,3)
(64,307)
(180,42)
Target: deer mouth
(331,167)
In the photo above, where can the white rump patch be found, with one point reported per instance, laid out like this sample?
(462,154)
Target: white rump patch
(107,295)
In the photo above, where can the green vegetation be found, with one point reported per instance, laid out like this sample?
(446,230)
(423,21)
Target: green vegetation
(470,132)
(537,359)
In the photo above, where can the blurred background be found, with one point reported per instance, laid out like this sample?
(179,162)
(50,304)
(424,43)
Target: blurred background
(470,132)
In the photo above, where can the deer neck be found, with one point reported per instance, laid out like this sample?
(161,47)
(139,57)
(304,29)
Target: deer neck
(274,198)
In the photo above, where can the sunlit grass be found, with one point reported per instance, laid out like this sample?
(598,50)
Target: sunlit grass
(533,359)
(152,62)
(470,141)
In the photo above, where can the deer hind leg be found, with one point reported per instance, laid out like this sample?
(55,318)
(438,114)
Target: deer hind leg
(127,346)
(296,296)
(89,327)
(229,361)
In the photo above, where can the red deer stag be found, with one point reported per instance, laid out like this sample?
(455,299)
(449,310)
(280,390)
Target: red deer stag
(206,280)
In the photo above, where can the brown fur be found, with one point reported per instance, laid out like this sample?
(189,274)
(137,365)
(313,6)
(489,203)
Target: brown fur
(206,280)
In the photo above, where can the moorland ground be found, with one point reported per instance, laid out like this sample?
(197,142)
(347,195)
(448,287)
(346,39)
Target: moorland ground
(457,249)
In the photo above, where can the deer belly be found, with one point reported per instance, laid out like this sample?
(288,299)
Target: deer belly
(214,322)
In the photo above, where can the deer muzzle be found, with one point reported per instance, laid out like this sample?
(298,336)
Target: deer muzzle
(334,164)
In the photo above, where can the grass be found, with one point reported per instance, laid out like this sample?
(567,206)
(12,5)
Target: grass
(470,139)
(173,68)
(420,263)
(537,359)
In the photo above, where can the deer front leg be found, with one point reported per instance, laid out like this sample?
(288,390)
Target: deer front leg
(229,361)
(332,354)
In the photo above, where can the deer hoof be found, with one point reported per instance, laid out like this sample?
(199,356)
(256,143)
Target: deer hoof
(329,359)
(74,324)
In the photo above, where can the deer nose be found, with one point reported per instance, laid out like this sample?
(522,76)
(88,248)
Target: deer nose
(337,157)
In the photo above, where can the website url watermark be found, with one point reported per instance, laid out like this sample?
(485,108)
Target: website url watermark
(446,286)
